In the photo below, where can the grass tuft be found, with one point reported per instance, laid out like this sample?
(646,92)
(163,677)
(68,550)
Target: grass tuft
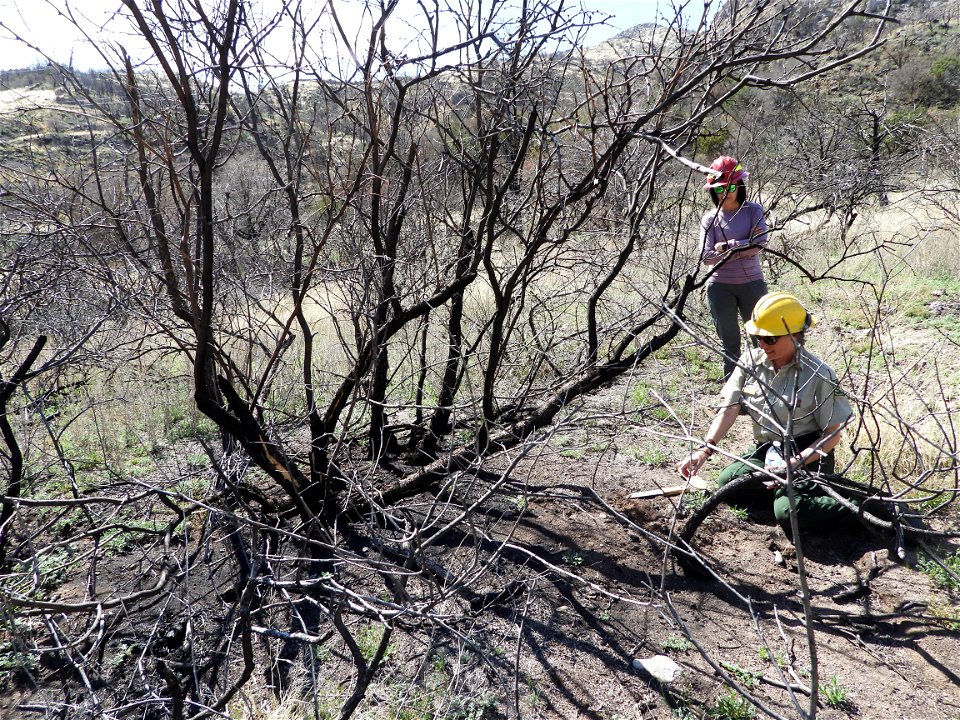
(940,576)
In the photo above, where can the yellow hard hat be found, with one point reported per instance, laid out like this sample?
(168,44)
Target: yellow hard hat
(779,313)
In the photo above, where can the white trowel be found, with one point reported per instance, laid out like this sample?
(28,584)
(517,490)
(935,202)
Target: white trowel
(694,483)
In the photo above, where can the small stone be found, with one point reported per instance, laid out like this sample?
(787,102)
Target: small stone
(778,558)
(659,668)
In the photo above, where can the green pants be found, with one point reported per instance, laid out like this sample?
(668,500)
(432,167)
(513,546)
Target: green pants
(814,507)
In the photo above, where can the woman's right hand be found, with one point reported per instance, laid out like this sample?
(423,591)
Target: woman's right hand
(691,464)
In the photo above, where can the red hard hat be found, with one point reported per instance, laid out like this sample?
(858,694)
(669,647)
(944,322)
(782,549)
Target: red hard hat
(724,170)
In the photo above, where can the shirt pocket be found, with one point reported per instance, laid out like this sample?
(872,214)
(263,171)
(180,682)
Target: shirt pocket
(806,411)
(810,405)
(754,401)
(767,408)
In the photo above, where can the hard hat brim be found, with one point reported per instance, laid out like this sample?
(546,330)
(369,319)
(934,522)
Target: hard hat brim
(720,181)
(753,329)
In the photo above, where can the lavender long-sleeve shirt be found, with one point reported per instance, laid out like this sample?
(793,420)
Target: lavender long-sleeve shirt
(745,226)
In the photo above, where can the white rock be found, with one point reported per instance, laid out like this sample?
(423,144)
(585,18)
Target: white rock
(659,667)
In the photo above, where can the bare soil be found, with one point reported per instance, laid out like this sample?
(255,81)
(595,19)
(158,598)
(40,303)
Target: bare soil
(876,623)
(599,590)
(882,630)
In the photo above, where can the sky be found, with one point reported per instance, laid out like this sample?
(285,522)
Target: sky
(38,23)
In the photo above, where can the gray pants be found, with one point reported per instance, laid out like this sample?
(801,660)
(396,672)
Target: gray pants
(726,301)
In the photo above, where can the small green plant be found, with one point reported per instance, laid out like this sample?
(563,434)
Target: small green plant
(572,557)
(519,502)
(368,640)
(676,642)
(645,401)
(65,524)
(43,573)
(473,708)
(777,659)
(731,706)
(599,447)
(938,574)
(118,659)
(134,532)
(947,615)
(418,707)
(698,364)
(654,456)
(439,663)
(833,693)
(747,678)
(568,449)
(694,500)
(641,396)
(534,697)
(139,467)
(14,664)
(739,513)
(192,426)
(197,460)
(322,653)
(931,505)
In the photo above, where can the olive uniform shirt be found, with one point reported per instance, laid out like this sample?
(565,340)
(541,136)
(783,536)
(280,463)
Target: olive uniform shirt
(766,394)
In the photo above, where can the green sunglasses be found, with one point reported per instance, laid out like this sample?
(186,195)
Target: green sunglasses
(721,189)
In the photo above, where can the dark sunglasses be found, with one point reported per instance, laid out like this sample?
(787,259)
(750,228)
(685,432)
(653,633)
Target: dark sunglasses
(721,189)
(768,339)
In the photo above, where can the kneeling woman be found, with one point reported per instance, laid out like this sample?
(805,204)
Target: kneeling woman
(793,398)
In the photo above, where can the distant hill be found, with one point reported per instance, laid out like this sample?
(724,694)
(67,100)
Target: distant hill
(639,40)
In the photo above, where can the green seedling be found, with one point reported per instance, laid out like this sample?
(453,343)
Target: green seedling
(693,501)
(653,456)
(731,706)
(947,615)
(368,640)
(833,693)
(676,642)
(940,576)
(777,659)
(747,678)
(519,502)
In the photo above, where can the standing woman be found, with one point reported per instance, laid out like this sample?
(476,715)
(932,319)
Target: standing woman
(731,237)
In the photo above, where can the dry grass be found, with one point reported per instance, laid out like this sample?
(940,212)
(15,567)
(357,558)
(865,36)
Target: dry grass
(20,99)
(894,358)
